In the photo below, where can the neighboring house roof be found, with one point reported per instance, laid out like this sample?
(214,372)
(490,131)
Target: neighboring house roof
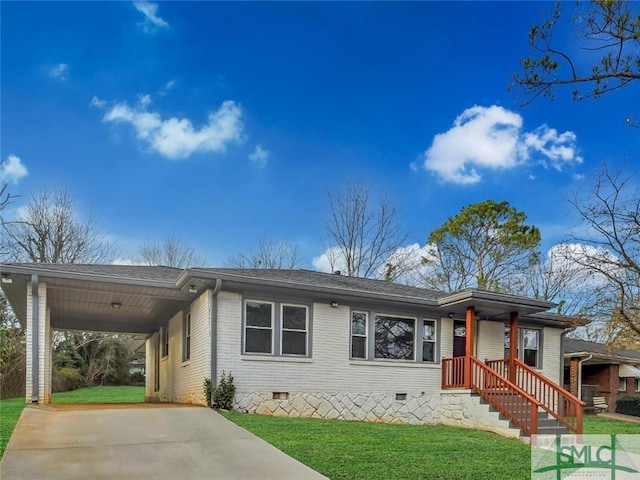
(583,348)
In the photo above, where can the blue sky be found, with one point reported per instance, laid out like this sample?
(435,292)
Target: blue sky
(223,122)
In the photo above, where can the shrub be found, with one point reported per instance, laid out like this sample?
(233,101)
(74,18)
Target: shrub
(225,391)
(629,405)
(136,378)
(65,379)
(207,388)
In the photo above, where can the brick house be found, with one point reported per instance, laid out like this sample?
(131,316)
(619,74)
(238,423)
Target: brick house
(592,369)
(311,344)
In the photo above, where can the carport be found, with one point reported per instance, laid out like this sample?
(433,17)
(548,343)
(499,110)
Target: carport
(101,298)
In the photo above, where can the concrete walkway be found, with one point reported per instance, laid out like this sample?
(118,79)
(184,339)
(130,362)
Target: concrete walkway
(140,443)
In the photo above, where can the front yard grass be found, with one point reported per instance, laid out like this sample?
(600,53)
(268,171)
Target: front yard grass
(358,450)
(10,411)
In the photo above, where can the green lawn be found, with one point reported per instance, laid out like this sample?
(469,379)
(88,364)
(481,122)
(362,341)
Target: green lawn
(357,450)
(124,394)
(10,411)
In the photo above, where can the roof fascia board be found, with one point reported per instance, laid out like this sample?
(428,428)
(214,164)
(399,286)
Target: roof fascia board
(498,298)
(45,273)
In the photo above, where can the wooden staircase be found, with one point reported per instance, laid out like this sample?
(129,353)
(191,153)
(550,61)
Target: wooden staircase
(530,401)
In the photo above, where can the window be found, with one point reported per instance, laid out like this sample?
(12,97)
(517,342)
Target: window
(528,346)
(429,341)
(622,386)
(530,342)
(186,337)
(359,322)
(258,336)
(294,329)
(637,384)
(394,337)
(165,341)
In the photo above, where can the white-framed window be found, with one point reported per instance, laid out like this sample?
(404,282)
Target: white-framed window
(259,323)
(293,338)
(637,384)
(165,340)
(622,385)
(186,337)
(529,345)
(359,328)
(428,341)
(395,337)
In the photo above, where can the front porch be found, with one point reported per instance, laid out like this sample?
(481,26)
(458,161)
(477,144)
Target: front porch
(516,390)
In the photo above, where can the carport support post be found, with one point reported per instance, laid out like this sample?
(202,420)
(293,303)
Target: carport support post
(513,345)
(38,380)
(470,344)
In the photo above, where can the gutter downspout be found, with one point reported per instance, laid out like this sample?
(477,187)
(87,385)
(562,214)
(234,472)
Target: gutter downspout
(35,357)
(586,359)
(213,321)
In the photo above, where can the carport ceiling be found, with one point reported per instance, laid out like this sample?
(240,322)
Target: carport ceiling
(81,305)
(82,297)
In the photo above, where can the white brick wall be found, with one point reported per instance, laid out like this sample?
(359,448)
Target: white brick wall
(552,354)
(329,369)
(44,344)
(490,345)
(181,382)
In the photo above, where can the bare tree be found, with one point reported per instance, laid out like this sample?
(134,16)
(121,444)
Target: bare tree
(172,252)
(610,249)
(49,229)
(362,234)
(6,196)
(609,29)
(268,254)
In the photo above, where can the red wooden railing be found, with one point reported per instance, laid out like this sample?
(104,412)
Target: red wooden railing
(510,400)
(453,372)
(560,404)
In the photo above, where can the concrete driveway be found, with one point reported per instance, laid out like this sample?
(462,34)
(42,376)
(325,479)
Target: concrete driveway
(140,442)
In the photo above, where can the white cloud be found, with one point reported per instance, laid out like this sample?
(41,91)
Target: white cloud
(59,71)
(126,261)
(12,170)
(407,261)
(491,138)
(167,86)
(259,156)
(332,259)
(152,22)
(176,138)
(96,102)
(576,259)
(144,100)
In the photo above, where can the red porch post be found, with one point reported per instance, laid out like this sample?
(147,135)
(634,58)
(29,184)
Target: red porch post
(513,345)
(469,347)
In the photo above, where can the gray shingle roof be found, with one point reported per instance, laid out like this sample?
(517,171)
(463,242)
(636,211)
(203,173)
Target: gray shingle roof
(134,272)
(572,345)
(320,279)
